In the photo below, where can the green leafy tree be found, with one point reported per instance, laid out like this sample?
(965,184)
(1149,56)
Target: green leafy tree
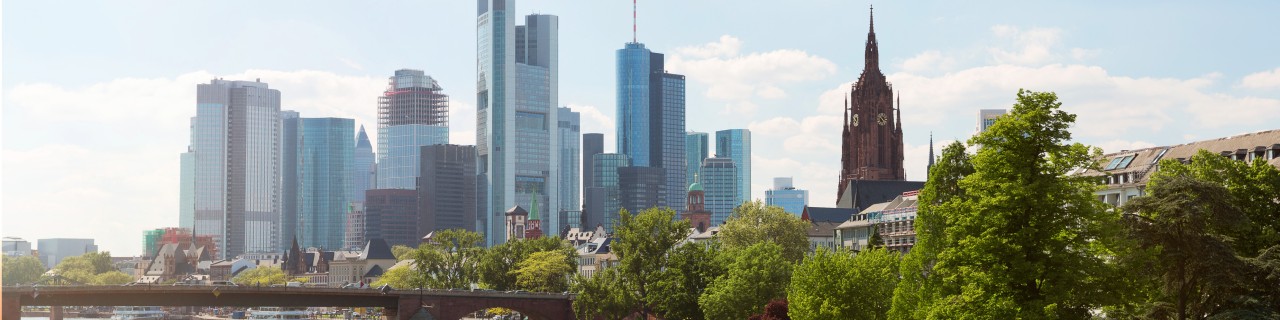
(112,278)
(842,285)
(643,244)
(21,270)
(1027,235)
(756,275)
(545,271)
(753,222)
(402,252)
(79,269)
(400,277)
(690,269)
(1251,187)
(497,263)
(601,296)
(918,287)
(450,260)
(264,276)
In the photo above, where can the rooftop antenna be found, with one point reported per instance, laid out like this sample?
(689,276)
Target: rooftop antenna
(633,21)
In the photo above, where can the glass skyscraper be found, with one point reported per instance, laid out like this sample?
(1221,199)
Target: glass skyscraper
(327,162)
(363,174)
(516,91)
(290,160)
(605,171)
(235,138)
(187,191)
(719,179)
(570,135)
(651,119)
(696,148)
(412,112)
(736,144)
(785,195)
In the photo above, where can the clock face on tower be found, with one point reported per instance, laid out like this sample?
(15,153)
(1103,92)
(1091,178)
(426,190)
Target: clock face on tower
(855,119)
(881,119)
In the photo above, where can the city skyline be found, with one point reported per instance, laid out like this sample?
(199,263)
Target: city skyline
(1193,74)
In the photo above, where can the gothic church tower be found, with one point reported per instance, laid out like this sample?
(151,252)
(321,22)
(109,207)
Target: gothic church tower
(871,147)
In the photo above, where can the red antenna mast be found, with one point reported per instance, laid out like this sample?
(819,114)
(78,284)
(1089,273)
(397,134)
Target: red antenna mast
(633,21)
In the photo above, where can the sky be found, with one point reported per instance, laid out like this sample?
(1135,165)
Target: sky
(97,95)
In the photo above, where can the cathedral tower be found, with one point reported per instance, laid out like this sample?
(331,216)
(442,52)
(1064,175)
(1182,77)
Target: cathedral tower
(871,143)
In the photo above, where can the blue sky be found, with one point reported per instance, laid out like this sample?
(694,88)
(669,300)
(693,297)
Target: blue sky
(97,94)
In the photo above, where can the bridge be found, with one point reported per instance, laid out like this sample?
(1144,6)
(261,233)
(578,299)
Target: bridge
(398,304)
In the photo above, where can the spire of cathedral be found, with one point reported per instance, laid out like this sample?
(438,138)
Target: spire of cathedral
(873,50)
(930,167)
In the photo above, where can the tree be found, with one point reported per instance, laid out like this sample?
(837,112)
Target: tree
(1027,234)
(753,222)
(402,252)
(917,289)
(1251,187)
(497,263)
(21,270)
(545,271)
(643,244)
(261,276)
(756,275)
(601,296)
(1187,220)
(775,310)
(450,260)
(400,277)
(842,285)
(690,269)
(112,278)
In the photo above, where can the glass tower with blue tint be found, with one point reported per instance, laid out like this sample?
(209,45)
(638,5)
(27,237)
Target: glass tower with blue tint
(235,139)
(290,160)
(651,119)
(719,179)
(633,103)
(696,148)
(736,144)
(363,175)
(327,163)
(605,172)
(516,91)
(785,195)
(570,135)
(412,112)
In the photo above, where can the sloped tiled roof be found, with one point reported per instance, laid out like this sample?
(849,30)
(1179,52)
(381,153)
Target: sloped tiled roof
(821,214)
(376,249)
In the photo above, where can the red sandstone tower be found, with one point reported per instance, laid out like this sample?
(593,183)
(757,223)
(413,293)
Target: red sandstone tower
(695,208)
(871,144)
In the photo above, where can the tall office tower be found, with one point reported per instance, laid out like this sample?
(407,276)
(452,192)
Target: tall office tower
(719,179)
(355,236)
(871,143)
(785,195)
(570,135)
(187,190)
(987,117)
(236,141)
(325,181)
(447,188)
(290,190)
(651,115)
(362,172)
(516,91)
(604,210)
(391,215)
(412,112)
(592,196)
(736,144)
(640,188)
(696,148)
(53,251)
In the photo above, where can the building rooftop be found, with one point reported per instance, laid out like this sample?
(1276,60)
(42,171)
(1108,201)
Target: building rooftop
(1131,167)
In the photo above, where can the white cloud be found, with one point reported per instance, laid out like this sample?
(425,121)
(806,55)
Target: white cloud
(928,61)
(1262,80)
(352,64)
(738,79)
(1030,47)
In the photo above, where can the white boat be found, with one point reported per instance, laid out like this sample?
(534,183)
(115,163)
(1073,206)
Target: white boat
(279,313)
(137,313)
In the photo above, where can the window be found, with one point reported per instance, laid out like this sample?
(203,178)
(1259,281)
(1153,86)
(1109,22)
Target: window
(1113,164)
(1125,163)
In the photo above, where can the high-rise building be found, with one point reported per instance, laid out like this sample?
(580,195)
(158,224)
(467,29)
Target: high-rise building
(290,189)
(719,179)
(641,188)
(570,135)
(987,117)
(696,148)
(651,119)
(592,214)
(53,251)
(16,247)
(187,189)
(236,140)
(355,225)
(871,144)
(363,172)
(785,195)
(325,185)
(412,112)
(592,144)
(609,199)
(516,93)
(736,144)
(447,189)
(391,215)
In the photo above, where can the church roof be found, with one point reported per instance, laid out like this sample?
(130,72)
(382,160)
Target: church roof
(861,194)
(374,272)
(517,211)
(376,249)
(821,214)
(695,187)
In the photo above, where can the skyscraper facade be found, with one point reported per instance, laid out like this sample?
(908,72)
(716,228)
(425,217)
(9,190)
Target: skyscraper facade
(736,144)
(651,119)
(696,148)
(412,112)
(363,176)
(187,190)
(592,144)
(719,179)
(236,140)
(391,215)
(516,91)
(987,117)
(785,195)
(592,196)
(447,189)
(327,153)
(570,134)
(290,192)
(606,176)
(640,188)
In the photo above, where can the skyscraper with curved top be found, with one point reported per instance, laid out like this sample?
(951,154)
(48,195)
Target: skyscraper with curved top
(412,112)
